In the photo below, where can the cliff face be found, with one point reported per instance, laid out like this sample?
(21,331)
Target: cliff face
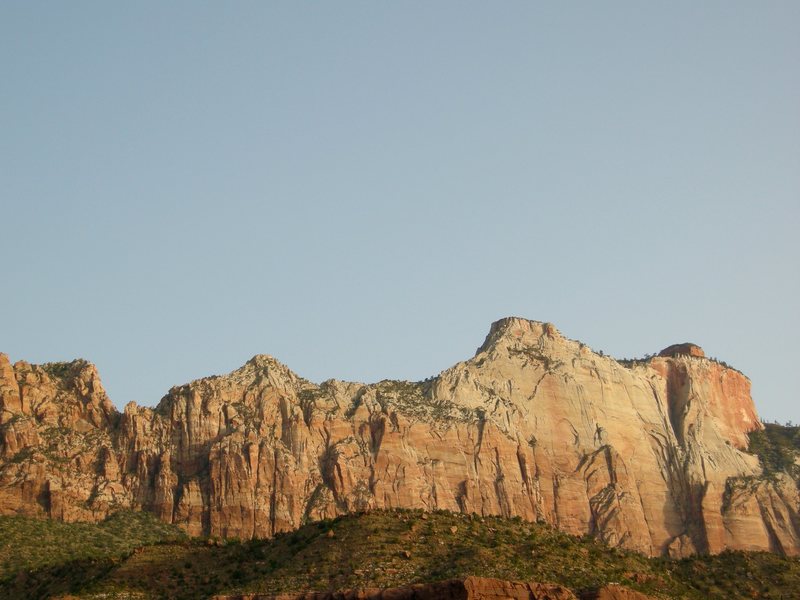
(649,456)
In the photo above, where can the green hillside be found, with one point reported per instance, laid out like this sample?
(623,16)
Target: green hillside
(131,555)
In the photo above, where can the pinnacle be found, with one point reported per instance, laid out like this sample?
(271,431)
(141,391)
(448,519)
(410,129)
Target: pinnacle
(514,328)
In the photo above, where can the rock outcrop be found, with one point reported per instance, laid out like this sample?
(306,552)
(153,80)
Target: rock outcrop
(614,592)
(471,588)
(648,455)
(685,349)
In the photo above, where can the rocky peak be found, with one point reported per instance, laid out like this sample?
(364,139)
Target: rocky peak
(269,369)
(515,331)
(265,361)
(67,394)
(5,363)
(684,349)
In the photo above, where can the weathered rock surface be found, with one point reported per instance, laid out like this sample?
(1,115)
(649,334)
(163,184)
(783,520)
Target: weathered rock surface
(471,588)
(684,349)
(648,455)
(614,592)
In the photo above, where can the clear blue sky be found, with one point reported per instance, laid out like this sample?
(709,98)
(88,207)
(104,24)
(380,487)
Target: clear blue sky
(361,188)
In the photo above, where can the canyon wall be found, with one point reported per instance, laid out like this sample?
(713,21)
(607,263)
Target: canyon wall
(648,455)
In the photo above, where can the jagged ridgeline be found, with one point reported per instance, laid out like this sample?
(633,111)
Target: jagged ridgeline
(649,455)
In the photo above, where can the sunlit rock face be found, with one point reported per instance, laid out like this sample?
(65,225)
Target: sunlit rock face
(648,455)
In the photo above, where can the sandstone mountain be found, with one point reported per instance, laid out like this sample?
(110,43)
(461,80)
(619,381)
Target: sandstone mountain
(649,455)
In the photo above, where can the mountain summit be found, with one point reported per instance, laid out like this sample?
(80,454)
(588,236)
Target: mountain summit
(649,455)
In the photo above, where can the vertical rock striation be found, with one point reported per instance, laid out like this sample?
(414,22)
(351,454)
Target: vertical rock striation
(648,455)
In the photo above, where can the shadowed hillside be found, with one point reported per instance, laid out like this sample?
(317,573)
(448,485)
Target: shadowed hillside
(375,549)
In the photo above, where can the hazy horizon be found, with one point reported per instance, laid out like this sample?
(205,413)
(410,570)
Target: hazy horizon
(361,189)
